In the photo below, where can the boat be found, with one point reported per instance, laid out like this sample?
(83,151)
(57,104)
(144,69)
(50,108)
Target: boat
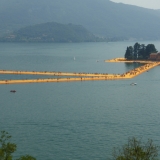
(133,84)
(13,91)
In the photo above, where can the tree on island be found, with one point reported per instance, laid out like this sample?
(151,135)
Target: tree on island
(139,51)
(7,148)
(136,150)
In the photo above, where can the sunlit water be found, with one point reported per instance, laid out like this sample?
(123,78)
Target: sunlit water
(76,120)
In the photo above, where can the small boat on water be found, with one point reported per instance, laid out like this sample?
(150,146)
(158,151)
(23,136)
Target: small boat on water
(133,84)
(13,91)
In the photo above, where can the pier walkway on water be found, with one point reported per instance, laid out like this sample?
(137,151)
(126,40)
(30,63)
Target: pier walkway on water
(82,76)
(52,73)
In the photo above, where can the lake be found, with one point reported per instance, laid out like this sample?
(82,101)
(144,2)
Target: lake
(76,120)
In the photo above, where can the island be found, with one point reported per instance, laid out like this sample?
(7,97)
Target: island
(141,52)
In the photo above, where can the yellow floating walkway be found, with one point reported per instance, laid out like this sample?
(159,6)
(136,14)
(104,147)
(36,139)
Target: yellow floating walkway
(55,80)
(56,73)
(81,76)
(124,60)
(139,70)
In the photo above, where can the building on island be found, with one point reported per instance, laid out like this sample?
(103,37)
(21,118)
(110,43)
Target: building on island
(154,56)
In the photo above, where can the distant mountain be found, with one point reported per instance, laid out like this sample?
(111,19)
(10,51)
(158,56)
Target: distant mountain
(101,17)
(52,32)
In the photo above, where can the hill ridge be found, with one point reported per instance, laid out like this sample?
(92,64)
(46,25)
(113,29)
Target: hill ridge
(101,17)
(52,32)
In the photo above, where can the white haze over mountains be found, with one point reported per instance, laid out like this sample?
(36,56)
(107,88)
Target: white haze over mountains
(104,18)
(152,4)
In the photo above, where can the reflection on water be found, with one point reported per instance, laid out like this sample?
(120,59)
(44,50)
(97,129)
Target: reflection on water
(130,66)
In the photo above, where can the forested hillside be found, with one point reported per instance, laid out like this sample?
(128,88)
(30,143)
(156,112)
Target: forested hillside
(52,32)
(101,17)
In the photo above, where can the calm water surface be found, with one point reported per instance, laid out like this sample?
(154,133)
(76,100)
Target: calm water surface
(76,120)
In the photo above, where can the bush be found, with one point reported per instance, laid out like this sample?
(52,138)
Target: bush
(7,148)
(136,150)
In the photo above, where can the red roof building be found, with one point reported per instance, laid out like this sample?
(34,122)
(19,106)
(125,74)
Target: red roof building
(155,56)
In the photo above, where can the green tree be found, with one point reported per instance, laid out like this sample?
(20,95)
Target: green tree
(136,49)
(142,52)
(129,53)
(7,148)
(136,150)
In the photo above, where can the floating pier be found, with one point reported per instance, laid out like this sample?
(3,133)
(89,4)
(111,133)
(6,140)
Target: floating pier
(52,73)
(82,76)
(124,60)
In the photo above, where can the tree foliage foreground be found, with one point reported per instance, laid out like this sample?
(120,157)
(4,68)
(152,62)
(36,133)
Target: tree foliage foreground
(133,150)
(136,150)
(7,148)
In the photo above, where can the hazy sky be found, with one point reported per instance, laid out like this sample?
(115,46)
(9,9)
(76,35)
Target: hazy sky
(153,4)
